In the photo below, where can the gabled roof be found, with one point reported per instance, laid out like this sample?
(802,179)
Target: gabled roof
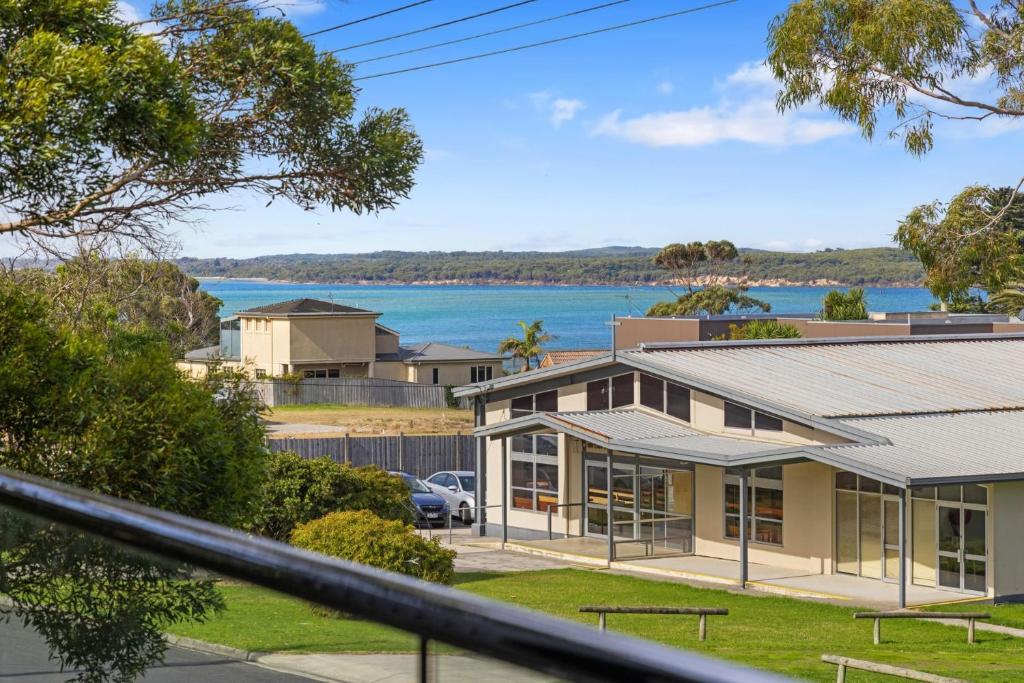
(435,352)
(204,354)
(636,431)
(305,307)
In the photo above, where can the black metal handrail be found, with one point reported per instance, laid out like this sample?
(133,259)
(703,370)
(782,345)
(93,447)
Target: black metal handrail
(543,643)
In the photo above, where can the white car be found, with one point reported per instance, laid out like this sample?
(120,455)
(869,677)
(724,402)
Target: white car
(458,488)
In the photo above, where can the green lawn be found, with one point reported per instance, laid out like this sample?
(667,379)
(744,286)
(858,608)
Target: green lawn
(1005,615)
(772,632)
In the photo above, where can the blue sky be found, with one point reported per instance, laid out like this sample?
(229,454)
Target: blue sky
(660,133)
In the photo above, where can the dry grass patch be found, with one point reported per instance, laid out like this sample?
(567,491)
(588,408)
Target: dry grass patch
(368,420)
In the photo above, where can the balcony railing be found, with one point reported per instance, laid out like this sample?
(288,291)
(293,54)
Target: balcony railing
(552,646)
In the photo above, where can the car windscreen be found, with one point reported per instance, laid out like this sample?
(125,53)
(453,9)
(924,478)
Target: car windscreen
(415,485)
(468,484)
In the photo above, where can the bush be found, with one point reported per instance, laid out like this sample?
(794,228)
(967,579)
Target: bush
(363,537)
(299,490)
(764,329)
(850,305)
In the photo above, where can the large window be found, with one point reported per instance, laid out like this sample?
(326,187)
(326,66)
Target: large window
(764,504)
(534,472)
(665,397)
(742,417)
(480,373)
(546,402)
(613,392)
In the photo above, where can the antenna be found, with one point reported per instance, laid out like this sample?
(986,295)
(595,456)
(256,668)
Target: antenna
(330,297)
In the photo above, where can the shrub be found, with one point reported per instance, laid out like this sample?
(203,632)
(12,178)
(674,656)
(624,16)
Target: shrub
(850,305)
(299,490)
(363,537)
(764,329)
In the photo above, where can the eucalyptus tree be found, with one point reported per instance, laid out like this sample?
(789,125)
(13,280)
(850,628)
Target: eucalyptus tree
(903,65)
(119,128)
(701,267)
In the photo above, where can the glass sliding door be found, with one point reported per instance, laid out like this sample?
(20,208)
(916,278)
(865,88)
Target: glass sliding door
(950,544)
(962,556)
(623,499)
(847,535)
(891,539)
(871,536)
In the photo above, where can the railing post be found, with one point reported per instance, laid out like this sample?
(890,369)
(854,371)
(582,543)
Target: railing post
(602,624)
(970,631)
(424,660)
(841,673)
(702,627)
(744,513)
(877,635)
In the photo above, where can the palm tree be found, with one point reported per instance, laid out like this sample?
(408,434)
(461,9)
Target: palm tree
(850,305)
(1009,300)
(529,346)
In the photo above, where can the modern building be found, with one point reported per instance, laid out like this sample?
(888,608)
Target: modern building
(321,339)
(632,331)
(898,459)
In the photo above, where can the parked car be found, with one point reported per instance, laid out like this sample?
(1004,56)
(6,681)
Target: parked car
(458,488)
(428,507)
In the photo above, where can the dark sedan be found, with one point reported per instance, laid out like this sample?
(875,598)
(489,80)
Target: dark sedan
(428,507)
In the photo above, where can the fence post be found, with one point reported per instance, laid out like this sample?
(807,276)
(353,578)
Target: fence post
(401,444)
(348,452)
(458,450)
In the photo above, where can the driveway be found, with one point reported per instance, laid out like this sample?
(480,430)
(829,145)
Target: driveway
(23,659)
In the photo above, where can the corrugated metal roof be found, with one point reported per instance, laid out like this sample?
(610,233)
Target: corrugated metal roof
(637,431)
(868,378)
(953,446)
(302,306)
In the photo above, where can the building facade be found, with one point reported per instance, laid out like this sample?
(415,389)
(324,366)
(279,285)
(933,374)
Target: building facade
(896,460)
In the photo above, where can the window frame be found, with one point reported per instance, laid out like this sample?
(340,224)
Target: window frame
(435,375)
(731,478)
(533,458)
(532,400)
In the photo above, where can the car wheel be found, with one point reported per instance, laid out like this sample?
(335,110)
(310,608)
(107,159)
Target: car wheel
(465,515)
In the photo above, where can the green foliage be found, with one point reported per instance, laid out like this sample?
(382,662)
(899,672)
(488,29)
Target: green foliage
(112,414)
(111,295)
(449,397)
(1009,300)
(530,345)
(968,243)
(862,59)
(363,537)
(712,300)
(616,265)
(850,305)
(299,490)
(764,329)
(115,129)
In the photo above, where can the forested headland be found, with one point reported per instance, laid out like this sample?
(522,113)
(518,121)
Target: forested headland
(880,266)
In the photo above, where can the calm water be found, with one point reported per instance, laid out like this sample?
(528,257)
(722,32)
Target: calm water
(480,316)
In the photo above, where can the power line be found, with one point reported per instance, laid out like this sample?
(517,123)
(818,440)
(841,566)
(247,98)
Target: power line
(435,26)
(547,42)
(493,33)
(372,16)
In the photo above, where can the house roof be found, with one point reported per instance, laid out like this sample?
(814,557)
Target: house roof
(836,378)
(305,306)
(569,355)
(435,352)
(982,446)
(637,431)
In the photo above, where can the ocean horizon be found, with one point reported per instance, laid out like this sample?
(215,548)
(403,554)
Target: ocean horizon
(480,316)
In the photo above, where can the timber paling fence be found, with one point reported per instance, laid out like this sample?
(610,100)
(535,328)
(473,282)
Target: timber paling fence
(420,455)
(352,391)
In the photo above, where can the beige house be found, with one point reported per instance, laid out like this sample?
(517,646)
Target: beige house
(320,339)
(897,461)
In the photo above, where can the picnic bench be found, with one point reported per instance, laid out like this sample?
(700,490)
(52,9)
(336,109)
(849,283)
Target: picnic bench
(702,612)
(971,618)
(845,663)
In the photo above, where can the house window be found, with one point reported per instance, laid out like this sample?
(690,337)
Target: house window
(546,402)
(480,373)
(260,373)
(737,416)
(333,372)
(534,472)
(767,423)
(613,392)
(248,325)
(434,375)
(764,504)
(652,392)
(318,373)
(677,401)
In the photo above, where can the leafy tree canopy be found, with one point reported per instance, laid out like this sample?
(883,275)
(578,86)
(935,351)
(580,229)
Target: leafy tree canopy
(713,300)
(114,128)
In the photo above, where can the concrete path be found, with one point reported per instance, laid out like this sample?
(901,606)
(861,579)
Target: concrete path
(477,554)
(397,668)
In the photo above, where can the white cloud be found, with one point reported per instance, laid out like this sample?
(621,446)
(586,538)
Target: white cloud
(666,87)
(745,113)
(559,109)
(563,110)
(127,12)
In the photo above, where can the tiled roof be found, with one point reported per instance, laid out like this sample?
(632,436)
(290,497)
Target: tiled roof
(303,306)
(569,355)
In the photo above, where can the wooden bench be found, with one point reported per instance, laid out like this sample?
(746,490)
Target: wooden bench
(702,612)
(971,617)
(845,663)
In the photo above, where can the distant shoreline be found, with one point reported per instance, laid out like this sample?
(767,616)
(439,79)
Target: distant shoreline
(769,283)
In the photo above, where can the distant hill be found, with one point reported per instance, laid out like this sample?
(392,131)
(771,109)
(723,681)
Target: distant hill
(617,265)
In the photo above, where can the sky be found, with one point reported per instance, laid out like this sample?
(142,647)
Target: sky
(659,133)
